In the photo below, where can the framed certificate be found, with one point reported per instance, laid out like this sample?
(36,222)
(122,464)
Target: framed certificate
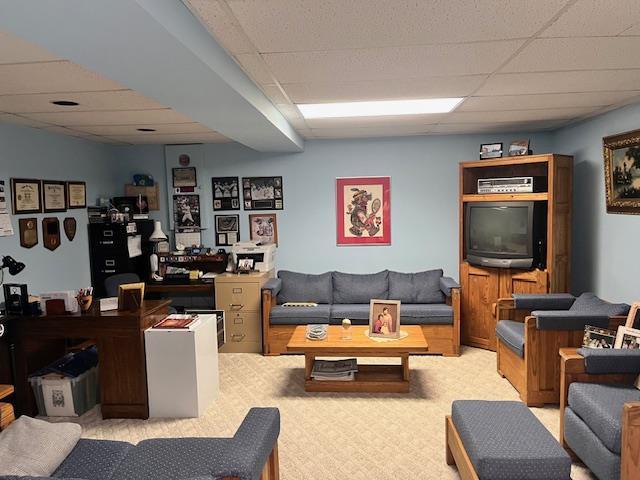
(54,196)
(77,194)
(184,177)
(25,196)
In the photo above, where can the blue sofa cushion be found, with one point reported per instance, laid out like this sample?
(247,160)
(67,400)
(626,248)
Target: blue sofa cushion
(173,459)
(426,314)
(93,459)
(569,319)
(505,441)
(301,287)
(609,360)
(511,333)
(422,287)
(352,311)
(588,447)
(600,407)
(543,301)
(590,303)
(299,315)
(360,288)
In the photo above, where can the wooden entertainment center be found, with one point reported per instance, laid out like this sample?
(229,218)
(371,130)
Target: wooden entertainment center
(481,287)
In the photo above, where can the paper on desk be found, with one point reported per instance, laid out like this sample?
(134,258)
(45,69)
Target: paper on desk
(134,244)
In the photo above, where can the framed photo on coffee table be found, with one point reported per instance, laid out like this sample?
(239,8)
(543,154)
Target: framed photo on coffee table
(384,318)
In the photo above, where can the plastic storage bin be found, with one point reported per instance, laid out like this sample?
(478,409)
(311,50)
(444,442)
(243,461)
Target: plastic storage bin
(67,387)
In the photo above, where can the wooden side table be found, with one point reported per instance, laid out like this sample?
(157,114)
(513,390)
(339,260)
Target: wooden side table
(6,409)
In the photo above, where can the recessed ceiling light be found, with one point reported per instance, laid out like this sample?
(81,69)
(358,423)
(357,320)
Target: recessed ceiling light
(379,108)
(65,103)
(146,129)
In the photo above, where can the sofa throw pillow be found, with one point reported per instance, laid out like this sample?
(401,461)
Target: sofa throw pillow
(302,287)
(360,288)
(421,287)
(32,447)
(589,302)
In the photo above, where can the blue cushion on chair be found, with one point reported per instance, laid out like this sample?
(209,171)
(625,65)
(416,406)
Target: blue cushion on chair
(543,301)
(422,287)
(590,303)
(360,288)
(511,333)
(505,441)
(301,287)
(600,407)
(610,360)
(93,459)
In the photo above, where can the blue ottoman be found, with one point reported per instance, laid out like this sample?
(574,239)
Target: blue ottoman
(502,441)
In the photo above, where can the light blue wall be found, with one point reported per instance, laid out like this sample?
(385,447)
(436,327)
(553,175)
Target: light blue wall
(30,153)
(424,197)
(605,257)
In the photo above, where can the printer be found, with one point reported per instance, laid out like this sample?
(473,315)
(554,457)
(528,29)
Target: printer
(263,255)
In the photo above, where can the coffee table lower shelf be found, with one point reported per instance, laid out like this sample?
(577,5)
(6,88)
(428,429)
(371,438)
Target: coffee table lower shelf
(369,378)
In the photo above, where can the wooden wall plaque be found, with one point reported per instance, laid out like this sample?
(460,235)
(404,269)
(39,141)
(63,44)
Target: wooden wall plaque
(70,228)
(28,232)
(51,233)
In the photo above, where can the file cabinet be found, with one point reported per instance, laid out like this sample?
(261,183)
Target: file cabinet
(239,295)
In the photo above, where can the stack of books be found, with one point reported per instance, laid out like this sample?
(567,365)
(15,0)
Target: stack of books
(335,370)
(317,332)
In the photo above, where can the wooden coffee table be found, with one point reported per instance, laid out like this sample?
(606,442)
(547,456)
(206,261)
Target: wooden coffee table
(370,378)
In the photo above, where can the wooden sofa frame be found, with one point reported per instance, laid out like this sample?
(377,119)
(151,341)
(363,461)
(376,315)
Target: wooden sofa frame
(442,339)
(536,377)
(572,369)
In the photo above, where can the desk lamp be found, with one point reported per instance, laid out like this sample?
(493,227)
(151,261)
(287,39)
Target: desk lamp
(12,265)
(156,237)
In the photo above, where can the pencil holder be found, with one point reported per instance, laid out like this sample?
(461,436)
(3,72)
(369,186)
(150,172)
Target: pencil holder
(84,302)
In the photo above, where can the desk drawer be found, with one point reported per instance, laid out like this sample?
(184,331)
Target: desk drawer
(243,327)
(238,297)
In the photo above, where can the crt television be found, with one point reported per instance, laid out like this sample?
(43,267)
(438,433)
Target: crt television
(505,234)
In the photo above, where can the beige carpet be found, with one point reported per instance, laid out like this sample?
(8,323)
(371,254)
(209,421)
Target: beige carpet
(341,436)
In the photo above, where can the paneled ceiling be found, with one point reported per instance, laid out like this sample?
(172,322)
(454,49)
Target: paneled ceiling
(31,78)
(519,64)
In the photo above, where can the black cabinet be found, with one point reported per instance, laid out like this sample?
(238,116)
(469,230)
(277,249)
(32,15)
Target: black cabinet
(109,251)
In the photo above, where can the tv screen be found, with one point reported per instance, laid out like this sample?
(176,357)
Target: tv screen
(503,231)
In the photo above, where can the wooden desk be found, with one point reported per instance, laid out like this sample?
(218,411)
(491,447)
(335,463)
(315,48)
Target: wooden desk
(119,336)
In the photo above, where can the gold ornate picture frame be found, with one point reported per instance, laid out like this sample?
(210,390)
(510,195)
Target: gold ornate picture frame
(622,172)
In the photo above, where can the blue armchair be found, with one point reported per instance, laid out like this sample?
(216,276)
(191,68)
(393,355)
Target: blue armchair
(528,350)
(600,410)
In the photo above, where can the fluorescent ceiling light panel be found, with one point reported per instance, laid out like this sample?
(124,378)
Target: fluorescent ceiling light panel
(379,108)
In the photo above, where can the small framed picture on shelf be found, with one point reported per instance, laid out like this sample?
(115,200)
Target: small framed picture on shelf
(76,195)
(245,265)
(54,196)
(25,196)
(263,228)
(490,150)
(518,148)
(628,338)
(184,177)
(384,318)
(226,193)
(227,230)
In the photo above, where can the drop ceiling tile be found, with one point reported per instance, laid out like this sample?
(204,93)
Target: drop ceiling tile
(254,65)
(221,24)
(15,50)
(593,18)
(18,120)
(392,121)
(373,131)
(384,89)
(289,111)
(635,30)
(594,53)
(470,128)
(305,25)
(390,63)
(165,128)
(275,94)
(554,100)
(67,131)
(122,117)
(552,82)
(519,115)
(210,137)
(88,101)
(47,77)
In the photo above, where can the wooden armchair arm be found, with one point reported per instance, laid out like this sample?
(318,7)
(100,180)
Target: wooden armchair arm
(501,305)
(630,455)
(268,302)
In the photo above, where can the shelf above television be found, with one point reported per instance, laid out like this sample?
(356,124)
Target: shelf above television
(505,197)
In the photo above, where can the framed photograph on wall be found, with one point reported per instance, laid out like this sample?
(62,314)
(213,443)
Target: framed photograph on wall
(54,196)
(186,211)
(262,193)
(184,177)
(76,195)
(25,196)
(622,172)
(363,211)
(226,193)
(227,230)
(263,228)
